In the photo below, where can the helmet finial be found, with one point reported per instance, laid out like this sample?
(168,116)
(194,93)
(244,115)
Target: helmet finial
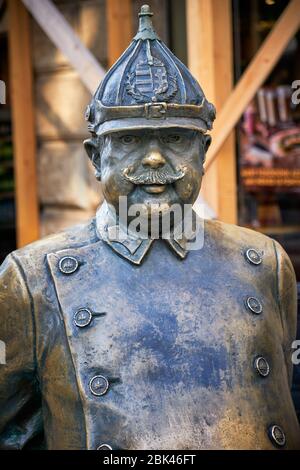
(146,30)
(145,11)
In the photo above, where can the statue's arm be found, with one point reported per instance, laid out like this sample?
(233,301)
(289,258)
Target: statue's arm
(20,417)
(287,300)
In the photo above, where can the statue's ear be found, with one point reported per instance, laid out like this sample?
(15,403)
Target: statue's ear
(205,146)
(92,149)
(207,142)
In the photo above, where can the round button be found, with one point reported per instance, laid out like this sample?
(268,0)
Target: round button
(83,317)
(277,435)
(68,265)
(104,447)
(254,305)
(253,256)
(261,366)
(99,385)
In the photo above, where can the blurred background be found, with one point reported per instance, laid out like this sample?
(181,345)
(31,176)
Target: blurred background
(246,56)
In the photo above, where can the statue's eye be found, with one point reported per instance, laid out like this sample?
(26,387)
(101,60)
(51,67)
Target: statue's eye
(173,139)
(129,139)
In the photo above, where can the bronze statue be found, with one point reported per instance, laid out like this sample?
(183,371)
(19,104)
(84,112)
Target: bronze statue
(116,339)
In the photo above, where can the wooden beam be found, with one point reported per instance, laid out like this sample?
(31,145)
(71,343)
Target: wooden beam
(254,76)
(24,142)
(62,35)
(119,28)
(210,58)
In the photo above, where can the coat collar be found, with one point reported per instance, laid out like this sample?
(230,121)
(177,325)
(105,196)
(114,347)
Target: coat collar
(129,245)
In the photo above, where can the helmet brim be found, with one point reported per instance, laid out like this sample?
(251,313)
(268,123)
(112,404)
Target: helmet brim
(117,125)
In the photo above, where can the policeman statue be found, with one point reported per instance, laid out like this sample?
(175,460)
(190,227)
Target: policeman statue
(119,339)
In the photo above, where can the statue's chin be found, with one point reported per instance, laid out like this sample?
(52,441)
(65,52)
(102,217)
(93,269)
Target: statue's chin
(154,222)
(148,210)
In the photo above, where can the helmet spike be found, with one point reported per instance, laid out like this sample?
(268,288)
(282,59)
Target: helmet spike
(146,29)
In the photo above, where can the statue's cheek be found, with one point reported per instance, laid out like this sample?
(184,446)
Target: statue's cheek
(188,187)
(115,185)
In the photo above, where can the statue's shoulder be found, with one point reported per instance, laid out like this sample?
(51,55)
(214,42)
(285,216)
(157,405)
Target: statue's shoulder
(257,248)
(230,236)
(35,253)
(233,243)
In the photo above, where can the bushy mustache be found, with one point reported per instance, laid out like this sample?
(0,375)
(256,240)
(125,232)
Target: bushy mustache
(153,177)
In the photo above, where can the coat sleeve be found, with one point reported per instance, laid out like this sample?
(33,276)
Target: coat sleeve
(287,300)
(20,417)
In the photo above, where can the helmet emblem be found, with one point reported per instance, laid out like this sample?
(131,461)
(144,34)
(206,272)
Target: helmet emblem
(150,81)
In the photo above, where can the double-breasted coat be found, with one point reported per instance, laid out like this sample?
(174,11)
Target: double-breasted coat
(181,351)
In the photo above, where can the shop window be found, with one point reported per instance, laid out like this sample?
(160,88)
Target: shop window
(269,132)
(7,187)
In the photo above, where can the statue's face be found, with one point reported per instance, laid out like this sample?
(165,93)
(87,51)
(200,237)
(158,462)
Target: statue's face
(154,168)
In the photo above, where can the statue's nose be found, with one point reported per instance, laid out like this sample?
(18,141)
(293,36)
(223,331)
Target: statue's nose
(154,159)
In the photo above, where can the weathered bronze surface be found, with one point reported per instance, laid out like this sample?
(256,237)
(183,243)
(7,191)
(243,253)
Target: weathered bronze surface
(142,343)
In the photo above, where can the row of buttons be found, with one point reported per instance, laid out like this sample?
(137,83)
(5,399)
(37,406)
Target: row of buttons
(252,303)
(99,384)
(275,433)
(69,264)
(261,365)
(83,316)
